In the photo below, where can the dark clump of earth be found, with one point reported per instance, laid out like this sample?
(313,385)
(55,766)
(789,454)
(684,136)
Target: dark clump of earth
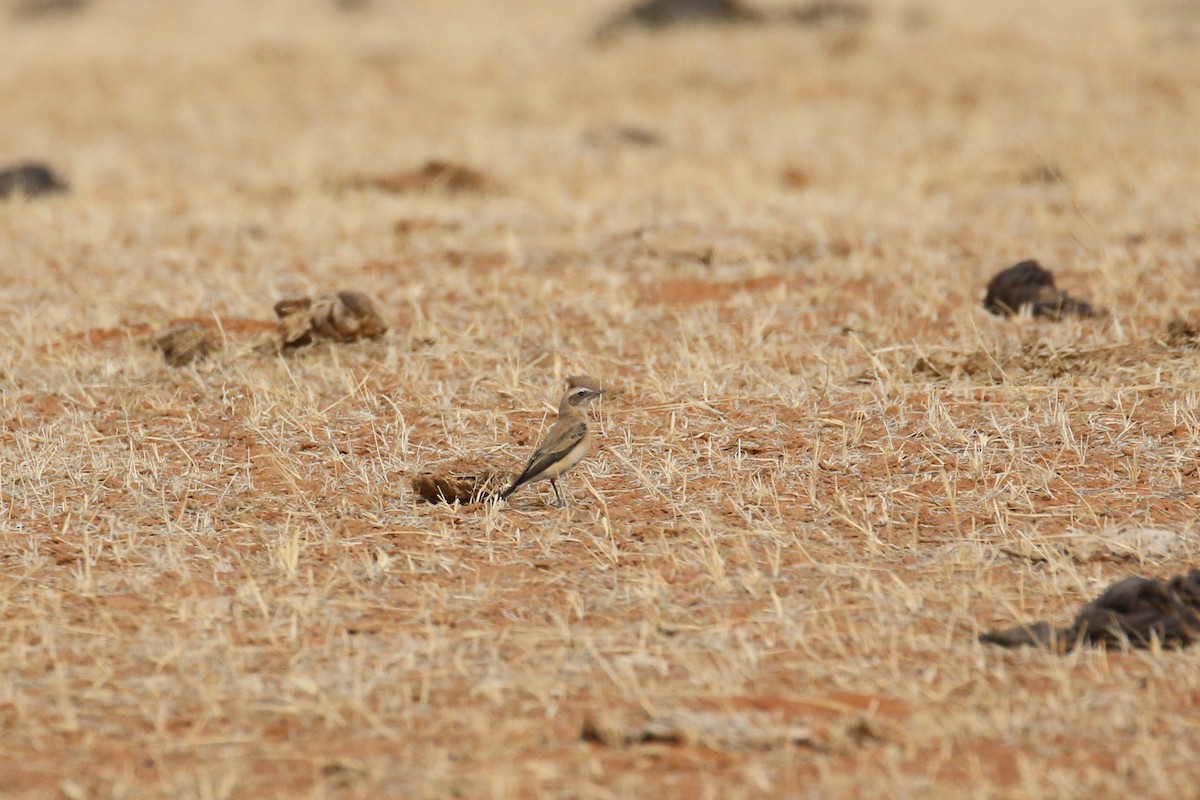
(1182,334)
(33,9)
(459,487)
(187,343)
(826,12)
(1030,285)
(30,179)
(657,15)
(1133,612)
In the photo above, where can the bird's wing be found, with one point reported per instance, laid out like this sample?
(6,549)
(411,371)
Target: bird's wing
(558,443)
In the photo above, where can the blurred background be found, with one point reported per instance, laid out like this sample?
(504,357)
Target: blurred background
(1068,128)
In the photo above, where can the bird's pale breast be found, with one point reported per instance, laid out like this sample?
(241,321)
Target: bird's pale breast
(573,457)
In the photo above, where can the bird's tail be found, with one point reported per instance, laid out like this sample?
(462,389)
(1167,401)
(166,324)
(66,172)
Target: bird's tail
(508,492)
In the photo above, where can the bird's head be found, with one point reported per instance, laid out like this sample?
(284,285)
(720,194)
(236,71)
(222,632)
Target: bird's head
(581,395)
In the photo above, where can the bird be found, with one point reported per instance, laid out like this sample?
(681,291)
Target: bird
(565,444)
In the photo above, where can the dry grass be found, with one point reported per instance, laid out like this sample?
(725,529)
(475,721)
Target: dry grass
(828,470)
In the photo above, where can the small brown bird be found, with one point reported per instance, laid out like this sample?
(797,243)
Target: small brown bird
(565,445)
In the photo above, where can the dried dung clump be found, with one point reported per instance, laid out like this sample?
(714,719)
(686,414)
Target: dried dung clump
(828,12)
(661,14)
(657,15)
(187,343)
(459,487)
(1181,334)
(1029,284)
(434,176)
(342,317)
(1134,611)
(31,179)
(32,9)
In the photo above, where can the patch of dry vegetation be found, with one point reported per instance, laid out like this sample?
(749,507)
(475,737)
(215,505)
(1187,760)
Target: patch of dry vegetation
(828,469)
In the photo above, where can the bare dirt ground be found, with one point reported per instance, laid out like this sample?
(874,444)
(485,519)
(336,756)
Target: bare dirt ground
(828,470)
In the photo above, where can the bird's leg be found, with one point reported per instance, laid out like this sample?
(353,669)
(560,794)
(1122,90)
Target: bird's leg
(554,483)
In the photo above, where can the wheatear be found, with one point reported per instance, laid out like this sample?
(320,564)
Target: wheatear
(564,446)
